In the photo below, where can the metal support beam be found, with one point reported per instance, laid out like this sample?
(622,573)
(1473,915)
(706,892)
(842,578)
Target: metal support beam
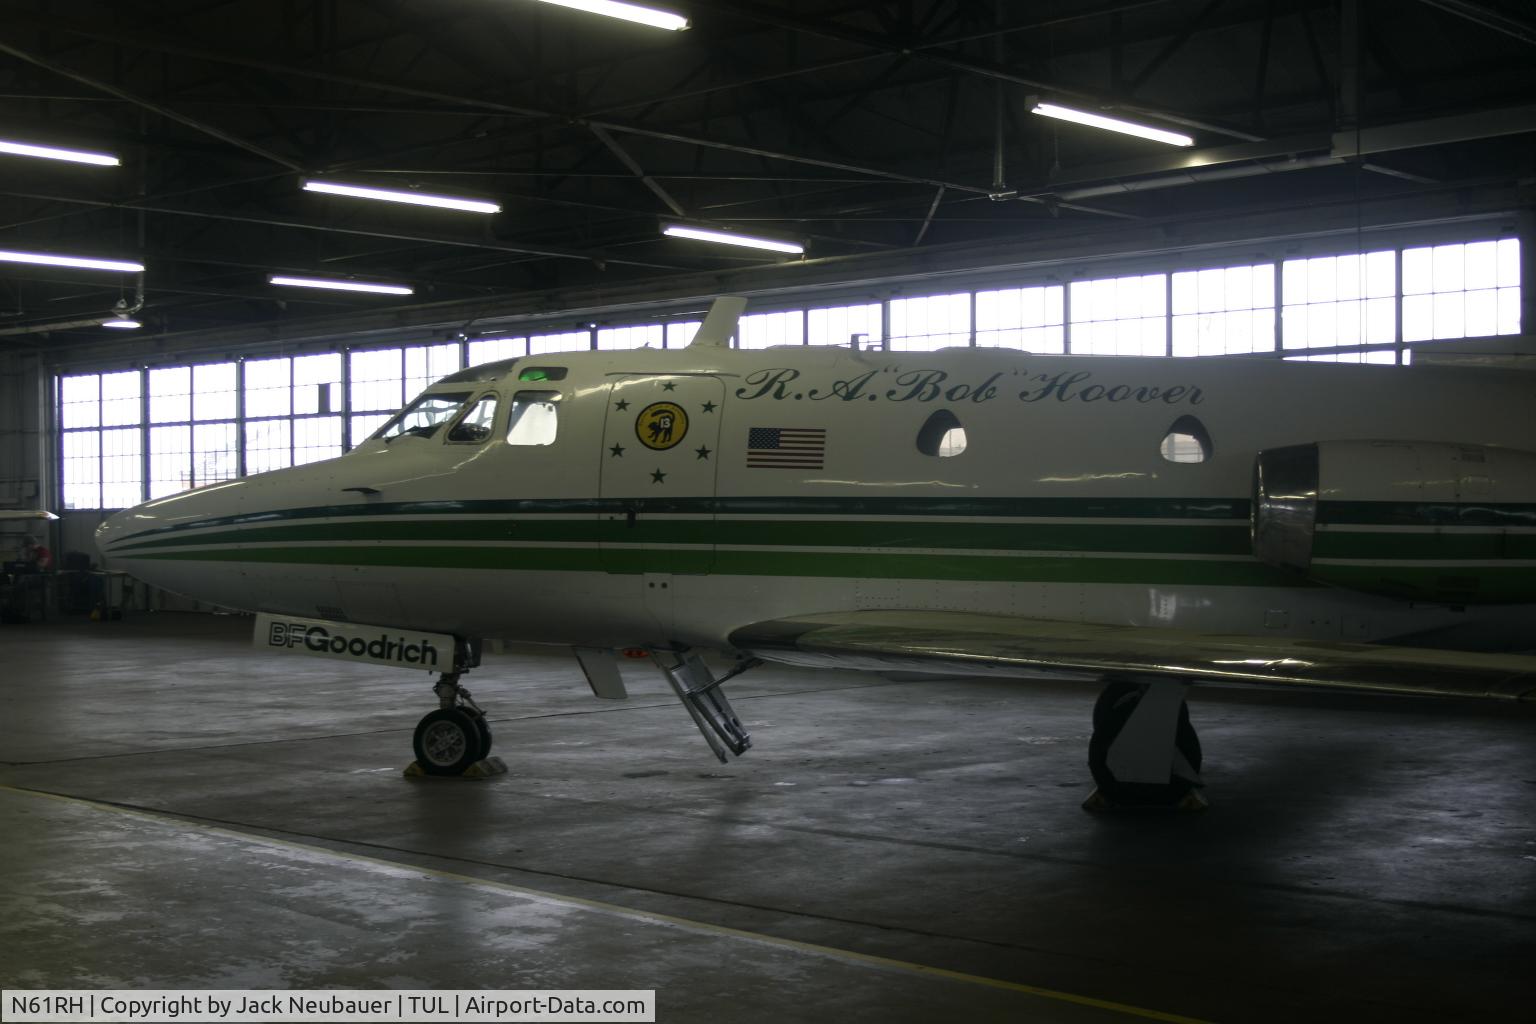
(1261,67)
(150,105)
(1349,65)
(280,222)
(933,208)
(638,171)
(1485,124)
(1485,16)
(828,30)
(1173,46)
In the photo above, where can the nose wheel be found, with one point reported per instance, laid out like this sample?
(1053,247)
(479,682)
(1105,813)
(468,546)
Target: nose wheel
(455,738)
(449,740)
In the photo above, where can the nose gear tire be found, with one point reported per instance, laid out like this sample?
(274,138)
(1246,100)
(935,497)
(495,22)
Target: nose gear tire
(448,741)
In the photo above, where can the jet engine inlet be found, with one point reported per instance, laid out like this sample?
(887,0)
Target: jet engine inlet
(1284,513)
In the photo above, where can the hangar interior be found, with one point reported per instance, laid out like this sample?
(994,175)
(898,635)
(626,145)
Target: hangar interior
(1354,184)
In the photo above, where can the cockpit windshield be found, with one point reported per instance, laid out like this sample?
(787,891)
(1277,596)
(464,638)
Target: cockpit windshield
(423,417)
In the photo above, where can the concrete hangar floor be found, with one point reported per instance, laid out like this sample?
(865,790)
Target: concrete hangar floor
(179,810)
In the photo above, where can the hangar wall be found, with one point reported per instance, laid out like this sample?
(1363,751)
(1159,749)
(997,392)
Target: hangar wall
(25,478)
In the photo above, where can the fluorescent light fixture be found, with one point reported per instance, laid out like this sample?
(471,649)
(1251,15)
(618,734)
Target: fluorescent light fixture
(341,286)
(652,16)
(1112,124)
(730,238)
(49,260)
(122,324)
(53,153)
(387,195)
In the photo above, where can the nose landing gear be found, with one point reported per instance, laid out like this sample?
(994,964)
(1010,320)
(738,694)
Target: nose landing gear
(455,739)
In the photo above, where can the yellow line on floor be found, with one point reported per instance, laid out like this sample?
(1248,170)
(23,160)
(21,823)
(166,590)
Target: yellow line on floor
(830,952)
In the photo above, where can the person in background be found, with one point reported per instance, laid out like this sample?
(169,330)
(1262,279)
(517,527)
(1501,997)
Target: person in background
(36,554)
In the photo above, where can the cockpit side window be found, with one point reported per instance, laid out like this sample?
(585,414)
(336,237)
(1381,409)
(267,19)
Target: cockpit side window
(534,419)
(423,417)
(474,426)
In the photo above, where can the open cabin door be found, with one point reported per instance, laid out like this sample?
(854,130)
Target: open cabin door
(660,449)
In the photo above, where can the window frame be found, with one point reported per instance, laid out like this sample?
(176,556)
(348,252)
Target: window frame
(470,407)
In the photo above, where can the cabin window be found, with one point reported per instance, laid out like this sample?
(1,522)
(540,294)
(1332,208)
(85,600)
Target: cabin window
(534,419)
(423,417)
(1186,441)
(475,426)
(941,435)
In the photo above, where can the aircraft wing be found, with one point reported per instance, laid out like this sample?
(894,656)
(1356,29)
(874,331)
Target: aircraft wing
(1002,645)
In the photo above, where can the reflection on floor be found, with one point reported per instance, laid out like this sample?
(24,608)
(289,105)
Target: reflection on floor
(898,850)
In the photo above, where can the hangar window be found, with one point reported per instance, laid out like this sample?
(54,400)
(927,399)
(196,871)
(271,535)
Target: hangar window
(759,330)
(680,333)
(534,419)
(634,336)
(561,341)
(941,435)
(928,322)
(1224,310)
(381,380)
(1469,290)
(1119,316)
(1335,301)
(101,448)
(185,449)
(1186,441)
(491,350)
(843,325)
(1026,318)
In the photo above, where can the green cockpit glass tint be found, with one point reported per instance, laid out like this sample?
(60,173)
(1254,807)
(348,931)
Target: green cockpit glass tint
(474,426)
(423,417)
(541,373)
(534,419)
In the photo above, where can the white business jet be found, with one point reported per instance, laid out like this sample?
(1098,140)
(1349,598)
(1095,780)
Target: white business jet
(1151,523)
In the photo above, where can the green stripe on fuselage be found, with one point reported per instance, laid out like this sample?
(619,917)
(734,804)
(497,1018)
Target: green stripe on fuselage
(1215,539)
(873,565)
(1427,514)
(1202,509)
(1392,546)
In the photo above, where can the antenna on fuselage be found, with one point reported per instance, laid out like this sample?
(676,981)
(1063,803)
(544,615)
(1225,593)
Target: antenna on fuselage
(720,324)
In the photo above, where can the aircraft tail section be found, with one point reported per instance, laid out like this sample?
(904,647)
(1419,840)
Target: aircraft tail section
(720,324)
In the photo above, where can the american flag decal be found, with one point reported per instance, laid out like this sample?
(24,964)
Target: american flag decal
(786,447)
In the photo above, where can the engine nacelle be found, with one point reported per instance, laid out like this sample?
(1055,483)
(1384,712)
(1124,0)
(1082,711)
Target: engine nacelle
(1418,520)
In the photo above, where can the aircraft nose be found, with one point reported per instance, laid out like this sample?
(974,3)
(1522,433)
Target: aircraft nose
(135,531)
(122,528)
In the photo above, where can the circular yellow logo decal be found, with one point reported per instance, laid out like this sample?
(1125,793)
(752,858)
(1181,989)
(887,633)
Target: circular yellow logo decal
(661,425)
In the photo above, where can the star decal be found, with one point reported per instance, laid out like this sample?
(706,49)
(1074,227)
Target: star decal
(617,451)
(668,386)
(621,404)
(657,476)
(703,452)
(709,406)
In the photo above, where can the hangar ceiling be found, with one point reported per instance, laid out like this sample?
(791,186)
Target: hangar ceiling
(871,132)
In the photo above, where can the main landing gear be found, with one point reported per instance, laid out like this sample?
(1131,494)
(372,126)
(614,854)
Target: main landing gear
(455,739)
(1144,752)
